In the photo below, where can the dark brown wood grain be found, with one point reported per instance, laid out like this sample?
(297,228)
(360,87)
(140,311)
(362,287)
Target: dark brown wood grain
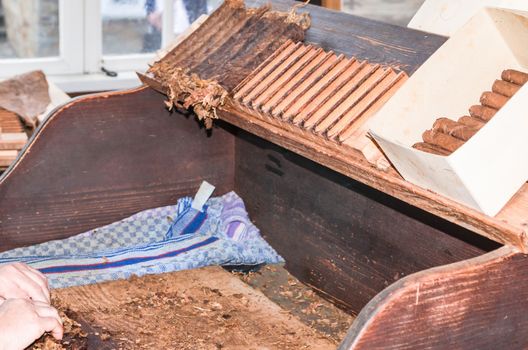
(343,238)
(379,42)
(507,228)
(229,45)
(476,304)
(101,158)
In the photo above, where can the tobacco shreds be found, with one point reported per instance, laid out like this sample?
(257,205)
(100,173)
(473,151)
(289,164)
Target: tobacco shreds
(203,96)
(303,20)
(205,67)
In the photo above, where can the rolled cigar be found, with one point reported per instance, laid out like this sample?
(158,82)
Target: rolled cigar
(472,122)
(514,76)
(493,100)
(482,112)
(453,128)
(505,88)
(442,140)
(429,148)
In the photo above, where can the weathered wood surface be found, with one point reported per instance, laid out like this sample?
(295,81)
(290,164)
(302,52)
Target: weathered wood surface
(206,308)
(229,45)
(316,93)
(103,157)
(343,238)
(406,49)
(379,42)
(353,165)
(476,304)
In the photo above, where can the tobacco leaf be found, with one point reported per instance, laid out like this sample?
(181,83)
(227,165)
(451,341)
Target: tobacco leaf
(26,95)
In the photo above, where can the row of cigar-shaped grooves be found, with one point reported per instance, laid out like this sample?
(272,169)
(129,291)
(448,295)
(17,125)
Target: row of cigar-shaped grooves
(230,44)
(447,135)
(316,91)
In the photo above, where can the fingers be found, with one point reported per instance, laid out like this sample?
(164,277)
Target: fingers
(50,319)
(52,325)
(21,281)
(35,275)
(33,289)
(44,310)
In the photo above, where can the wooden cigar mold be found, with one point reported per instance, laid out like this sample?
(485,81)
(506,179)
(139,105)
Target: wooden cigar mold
(291,91)
(448,135)
(416,269)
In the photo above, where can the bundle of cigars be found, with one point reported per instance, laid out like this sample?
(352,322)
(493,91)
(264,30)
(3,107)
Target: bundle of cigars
(447,135)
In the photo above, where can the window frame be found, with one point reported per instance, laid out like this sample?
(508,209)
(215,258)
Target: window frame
(95,60)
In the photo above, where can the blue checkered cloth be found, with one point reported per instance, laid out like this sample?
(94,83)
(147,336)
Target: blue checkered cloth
(159,240)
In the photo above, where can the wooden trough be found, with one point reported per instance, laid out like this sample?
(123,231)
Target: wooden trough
(419,270)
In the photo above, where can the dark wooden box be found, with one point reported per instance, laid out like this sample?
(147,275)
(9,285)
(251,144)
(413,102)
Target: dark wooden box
(416,281)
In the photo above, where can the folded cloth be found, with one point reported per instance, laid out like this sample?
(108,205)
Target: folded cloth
(153,241)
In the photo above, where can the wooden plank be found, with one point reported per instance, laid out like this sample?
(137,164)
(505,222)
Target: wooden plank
(13,141)
(353,165)
(10,122)
(206,308)
(7,157)
(337,234)
(476,304)
(103,157)
(333,4)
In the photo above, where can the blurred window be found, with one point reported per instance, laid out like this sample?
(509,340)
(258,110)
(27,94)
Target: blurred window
(398,12)
(84,36)
(131,31)
(29,29)
(41,34)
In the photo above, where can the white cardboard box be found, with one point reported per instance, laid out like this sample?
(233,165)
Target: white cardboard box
(489,168)
(445,17)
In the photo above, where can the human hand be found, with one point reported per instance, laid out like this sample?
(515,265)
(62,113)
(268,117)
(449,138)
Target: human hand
(20,281)
(23,321)
(155,19)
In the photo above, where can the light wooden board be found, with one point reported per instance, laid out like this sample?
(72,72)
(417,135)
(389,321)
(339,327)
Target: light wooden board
(333,4)
(207,308)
